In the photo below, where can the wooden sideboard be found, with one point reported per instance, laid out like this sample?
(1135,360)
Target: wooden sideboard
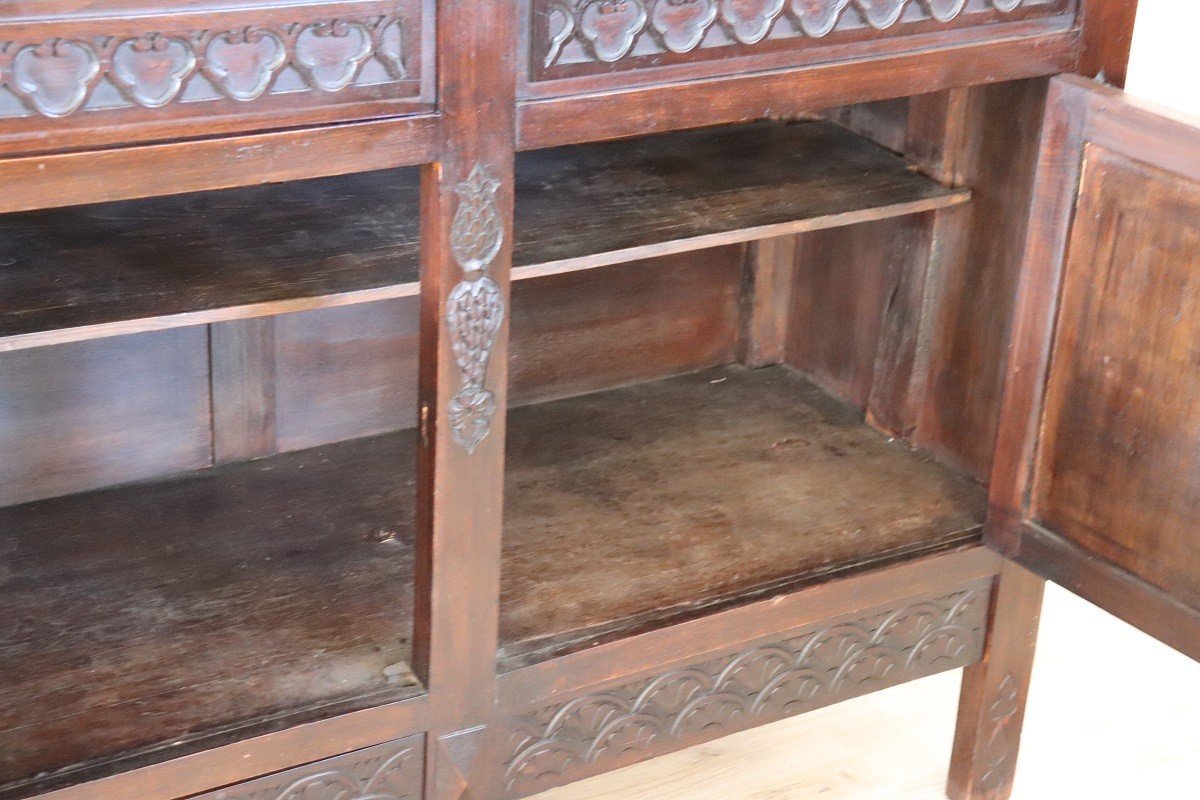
(430,400)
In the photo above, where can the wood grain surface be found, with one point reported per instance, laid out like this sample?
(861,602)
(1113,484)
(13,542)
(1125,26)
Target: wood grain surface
(113,268)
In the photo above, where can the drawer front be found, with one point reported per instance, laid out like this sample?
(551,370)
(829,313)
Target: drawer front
(82,79)
(391,771)
(585,45)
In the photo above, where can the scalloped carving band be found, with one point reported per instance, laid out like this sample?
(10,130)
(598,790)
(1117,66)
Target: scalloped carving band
(581,31)
(475,308)
(799,671)
(60,77)
(390,771)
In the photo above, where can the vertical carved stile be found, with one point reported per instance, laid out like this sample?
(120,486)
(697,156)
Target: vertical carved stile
(1000,751)
(475,308)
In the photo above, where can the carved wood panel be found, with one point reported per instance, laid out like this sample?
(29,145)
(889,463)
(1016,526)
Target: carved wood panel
(1119,456)
(391,771)
(783,676)
(572,38)
(70,74)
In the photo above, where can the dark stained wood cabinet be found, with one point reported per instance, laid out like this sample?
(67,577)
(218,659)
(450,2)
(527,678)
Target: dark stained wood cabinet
(423,400)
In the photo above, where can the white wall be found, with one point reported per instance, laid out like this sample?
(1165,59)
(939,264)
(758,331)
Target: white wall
(1165,63)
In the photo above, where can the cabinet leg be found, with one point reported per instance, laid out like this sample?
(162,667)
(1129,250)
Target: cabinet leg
(992,706)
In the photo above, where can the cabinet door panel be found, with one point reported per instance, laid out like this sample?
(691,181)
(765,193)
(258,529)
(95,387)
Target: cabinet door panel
(1098,485)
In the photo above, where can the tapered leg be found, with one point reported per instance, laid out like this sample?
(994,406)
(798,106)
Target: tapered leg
(992,706)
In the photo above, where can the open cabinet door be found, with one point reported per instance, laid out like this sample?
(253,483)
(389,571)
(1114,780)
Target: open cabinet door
(1097,478)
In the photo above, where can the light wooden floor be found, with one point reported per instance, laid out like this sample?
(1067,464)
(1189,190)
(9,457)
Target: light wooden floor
(1113,715)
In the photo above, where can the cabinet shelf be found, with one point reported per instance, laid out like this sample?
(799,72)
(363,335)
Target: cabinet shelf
(108,269)
(147,621)
(647,505)
(261,593)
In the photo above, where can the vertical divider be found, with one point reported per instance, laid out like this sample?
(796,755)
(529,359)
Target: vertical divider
(466,246)
(768,275)
(242,369)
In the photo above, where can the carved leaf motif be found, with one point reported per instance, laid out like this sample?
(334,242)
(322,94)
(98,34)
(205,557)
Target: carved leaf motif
(475,308)
(474,311)
(562,25)
(151,68)
(391,47)
(720,696)
(331,52)
(476,233)
(611,26)
(750,20)
(881,14)
(944,10)
(681,24)
(243,62)
(56,75)
(818,17)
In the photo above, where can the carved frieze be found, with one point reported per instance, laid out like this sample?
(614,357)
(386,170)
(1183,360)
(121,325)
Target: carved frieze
(609,31)
(62,77)
(475,308)
(390,771)
(797,672)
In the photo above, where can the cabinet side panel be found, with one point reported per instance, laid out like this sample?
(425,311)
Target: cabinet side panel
(969,347)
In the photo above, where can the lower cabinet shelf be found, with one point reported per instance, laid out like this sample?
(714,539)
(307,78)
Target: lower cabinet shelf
(250,597)
(146,622)
(643,506)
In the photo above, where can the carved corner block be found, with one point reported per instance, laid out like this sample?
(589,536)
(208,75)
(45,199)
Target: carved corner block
(454,764)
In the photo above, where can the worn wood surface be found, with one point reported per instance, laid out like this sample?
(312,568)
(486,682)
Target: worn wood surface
(180,614)
(110,268)
(205,600)
(632,199)
(635,506)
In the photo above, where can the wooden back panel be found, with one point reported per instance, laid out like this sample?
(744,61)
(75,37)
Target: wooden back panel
(90,414)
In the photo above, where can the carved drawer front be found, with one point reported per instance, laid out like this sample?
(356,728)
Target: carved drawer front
(577,45)
(134,76)
(636,718)
(391,771)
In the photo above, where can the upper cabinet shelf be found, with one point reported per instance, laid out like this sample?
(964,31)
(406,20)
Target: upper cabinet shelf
(107,269)
(138,73)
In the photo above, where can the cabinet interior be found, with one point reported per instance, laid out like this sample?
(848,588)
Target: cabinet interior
(195,507)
